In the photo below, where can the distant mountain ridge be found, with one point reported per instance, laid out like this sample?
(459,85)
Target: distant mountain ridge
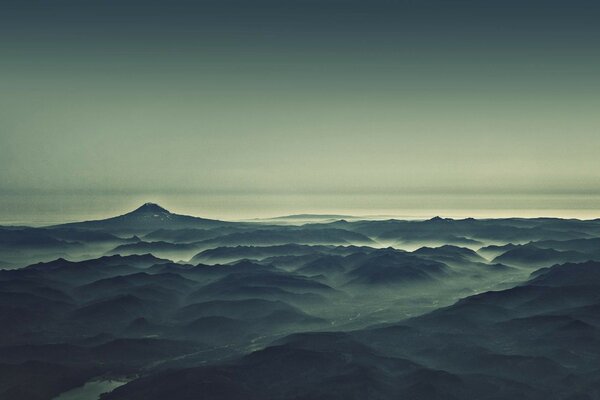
(146,218)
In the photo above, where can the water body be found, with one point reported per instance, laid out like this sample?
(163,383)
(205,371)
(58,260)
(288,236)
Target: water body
(91,390)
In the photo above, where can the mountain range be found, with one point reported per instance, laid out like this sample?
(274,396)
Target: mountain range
(181,307)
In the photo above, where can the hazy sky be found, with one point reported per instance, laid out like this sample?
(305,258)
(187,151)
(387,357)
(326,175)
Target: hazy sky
(238,108)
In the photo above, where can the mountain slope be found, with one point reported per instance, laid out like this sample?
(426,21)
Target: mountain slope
(145,219)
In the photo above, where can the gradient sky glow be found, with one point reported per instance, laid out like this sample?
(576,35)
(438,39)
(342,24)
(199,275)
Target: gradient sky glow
(237,108)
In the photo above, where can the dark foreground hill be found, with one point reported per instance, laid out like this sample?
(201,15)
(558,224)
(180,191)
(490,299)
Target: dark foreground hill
(540,340)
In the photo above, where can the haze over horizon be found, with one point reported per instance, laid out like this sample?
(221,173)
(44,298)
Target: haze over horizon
(74,209)
(235,109)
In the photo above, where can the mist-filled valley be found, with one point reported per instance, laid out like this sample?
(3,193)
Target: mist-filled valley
(154,305)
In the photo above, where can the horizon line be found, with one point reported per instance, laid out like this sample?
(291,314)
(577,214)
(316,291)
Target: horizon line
(313,216)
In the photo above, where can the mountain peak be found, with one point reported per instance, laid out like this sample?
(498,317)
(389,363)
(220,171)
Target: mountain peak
(151,208)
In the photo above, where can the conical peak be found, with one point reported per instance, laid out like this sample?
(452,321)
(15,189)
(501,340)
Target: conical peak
(151,208)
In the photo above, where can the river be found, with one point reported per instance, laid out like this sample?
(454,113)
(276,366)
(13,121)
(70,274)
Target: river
(91,390)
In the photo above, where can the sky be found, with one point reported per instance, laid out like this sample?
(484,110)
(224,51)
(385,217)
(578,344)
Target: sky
(241,109)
